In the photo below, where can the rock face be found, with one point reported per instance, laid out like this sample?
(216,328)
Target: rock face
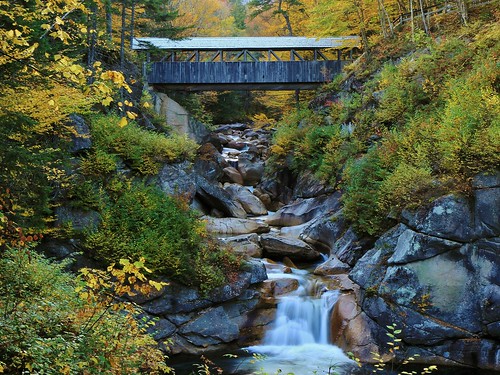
(200,323)
(437,277)
(230,225)
(80,139)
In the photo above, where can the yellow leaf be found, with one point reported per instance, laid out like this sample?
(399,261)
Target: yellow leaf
(146,105)
(131,115)
(51,102)
(123,122)
(107,101)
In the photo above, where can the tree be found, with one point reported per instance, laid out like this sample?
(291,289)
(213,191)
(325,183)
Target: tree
(280,8)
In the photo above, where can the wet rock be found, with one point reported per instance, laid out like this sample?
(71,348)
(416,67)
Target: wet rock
(162,329)
(250,203)
(213,196)
(304,210)
(177,180)
(257,270)
(235,226)
(278,287)
(279,247)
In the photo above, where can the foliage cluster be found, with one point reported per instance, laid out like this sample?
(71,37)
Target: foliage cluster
(51,322)
(421,127)
(143,150)
(140,221)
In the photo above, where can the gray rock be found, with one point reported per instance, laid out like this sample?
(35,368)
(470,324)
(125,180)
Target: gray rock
(81,139)
(487,218)
(323,232)
(447,217)
(211,327)
(333,266)
(80,220)
(177,179)
(210,163)
(309,186)
(250,203)
(412,246)
(245,244)
(279,247)
(229,225)
(486,180)
(350,248)
(251,168)
(233,175)
(213,196)
(162,329)
(304,210)
(257,270)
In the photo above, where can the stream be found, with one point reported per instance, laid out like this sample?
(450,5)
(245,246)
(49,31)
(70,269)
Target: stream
(298,339)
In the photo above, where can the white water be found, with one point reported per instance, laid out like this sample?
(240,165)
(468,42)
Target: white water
(298,340)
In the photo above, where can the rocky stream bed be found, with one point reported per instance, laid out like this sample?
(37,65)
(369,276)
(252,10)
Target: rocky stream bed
(435,275)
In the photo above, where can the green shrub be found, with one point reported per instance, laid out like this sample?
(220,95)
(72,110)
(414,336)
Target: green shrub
(405,186)
(98,163)
(362,181)
(46,327)
(143,150)
(142,222)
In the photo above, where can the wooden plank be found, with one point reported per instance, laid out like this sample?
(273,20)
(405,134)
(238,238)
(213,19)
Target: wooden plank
(239,72)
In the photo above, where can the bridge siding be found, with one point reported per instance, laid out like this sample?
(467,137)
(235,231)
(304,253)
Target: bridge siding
(235,73)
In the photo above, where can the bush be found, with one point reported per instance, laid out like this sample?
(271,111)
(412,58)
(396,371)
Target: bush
(142,222)
(143,150)
(46,327)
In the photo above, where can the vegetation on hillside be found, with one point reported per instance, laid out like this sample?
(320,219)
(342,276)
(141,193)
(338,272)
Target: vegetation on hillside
(421,126)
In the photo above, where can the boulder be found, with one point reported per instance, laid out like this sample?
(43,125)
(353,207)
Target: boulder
(304,210)
(447,217)
(233,175)
(309,186)
(235,226)
(246,245)
(413,246)
(213,326)
(250,203)
(322,232)
(210,163)
(213,196)
(80,220)
(333,266)
(486,197)
(350,247)
(177,180)
(279,247)
(251,168)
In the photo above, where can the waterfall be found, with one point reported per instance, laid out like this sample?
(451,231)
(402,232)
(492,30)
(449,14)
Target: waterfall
(302,320)
(298,340)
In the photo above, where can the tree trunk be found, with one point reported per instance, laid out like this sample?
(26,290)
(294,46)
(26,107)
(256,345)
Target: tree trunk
(358,4)
(412,21)
(122,37)
(424,21)
(108,9)
(462,9)
(92,35)
(132,21)
(285,15)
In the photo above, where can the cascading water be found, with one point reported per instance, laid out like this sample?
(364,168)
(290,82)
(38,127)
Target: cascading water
(298,340)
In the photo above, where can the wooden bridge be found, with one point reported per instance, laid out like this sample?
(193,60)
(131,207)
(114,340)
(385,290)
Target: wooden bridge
(248,63)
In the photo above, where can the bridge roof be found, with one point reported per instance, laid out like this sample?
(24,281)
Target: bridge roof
(244,43)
